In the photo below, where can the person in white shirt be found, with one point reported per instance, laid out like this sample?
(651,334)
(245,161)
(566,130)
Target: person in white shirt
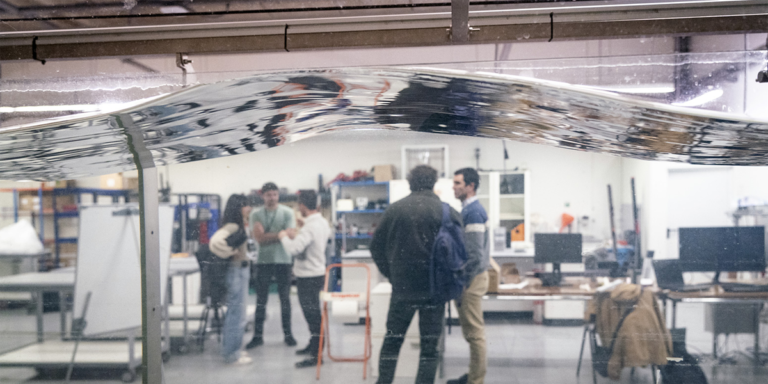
(308,246)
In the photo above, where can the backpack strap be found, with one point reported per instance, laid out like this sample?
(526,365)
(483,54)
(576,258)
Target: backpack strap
(446,215)
(621,322)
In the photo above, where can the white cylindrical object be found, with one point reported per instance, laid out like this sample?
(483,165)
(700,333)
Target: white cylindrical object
(345,311)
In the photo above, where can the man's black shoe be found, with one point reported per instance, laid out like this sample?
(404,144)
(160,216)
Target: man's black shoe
(460,380)
(290,341)
(309,362)
(304,351)
(255,342)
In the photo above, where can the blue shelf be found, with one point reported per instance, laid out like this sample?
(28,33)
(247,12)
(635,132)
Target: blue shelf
(67,240)
(366,236)
(361,211)
(67,214)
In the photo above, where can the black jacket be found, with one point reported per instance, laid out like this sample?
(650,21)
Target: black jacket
(402,244)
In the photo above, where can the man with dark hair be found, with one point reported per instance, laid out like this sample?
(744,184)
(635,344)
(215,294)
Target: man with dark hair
(465,184)
(308,248)
(402,250)
(274,264)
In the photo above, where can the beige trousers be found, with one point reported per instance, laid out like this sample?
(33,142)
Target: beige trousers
(473,326)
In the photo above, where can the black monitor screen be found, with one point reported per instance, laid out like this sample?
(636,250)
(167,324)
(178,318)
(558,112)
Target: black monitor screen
(557,248)
(722,249)
(748,251)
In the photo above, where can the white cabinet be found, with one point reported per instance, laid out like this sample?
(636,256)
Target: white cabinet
(505,196)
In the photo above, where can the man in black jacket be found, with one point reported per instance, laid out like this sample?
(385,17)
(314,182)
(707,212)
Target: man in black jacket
(402,249)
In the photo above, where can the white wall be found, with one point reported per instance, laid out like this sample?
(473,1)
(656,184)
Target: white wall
(558,176)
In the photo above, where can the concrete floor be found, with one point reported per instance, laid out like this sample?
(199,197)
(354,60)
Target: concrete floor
(519,352)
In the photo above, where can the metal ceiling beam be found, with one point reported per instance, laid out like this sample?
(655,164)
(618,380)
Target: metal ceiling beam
(531,23)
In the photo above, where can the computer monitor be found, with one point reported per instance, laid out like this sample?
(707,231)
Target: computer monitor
(699,248)
(748,251)
(727,249)
(557,248)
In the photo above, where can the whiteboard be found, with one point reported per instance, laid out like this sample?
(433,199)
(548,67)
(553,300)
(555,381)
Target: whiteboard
(109,266)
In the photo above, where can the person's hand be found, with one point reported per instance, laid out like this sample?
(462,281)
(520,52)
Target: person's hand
(291,232)
(282,234)
(258,230)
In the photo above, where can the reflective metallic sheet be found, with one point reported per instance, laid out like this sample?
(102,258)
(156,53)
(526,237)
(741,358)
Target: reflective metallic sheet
(267,110)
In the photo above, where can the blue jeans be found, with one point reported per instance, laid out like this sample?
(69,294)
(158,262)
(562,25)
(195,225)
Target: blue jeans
(234,322)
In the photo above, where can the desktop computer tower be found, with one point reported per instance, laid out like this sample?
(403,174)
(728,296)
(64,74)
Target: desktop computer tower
(730,318)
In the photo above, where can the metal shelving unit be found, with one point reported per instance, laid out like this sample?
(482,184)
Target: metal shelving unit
(366,219)
(78,193)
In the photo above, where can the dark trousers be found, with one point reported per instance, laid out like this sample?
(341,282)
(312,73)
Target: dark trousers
(430,328)
(309,297)
(267,274)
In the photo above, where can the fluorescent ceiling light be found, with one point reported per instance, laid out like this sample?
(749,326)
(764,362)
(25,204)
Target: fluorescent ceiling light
(703,99)
(637,89)
(103,107)
(52,108)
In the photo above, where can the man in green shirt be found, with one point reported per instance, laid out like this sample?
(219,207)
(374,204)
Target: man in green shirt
(274,264)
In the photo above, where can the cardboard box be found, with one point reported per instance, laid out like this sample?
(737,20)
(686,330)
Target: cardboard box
(68,249)
(131,183)
(65,184)
(494,274)
(113,181)
(383,173)
(510,274)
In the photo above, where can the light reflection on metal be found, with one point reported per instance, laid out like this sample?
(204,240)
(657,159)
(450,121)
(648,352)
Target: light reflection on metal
(268,110)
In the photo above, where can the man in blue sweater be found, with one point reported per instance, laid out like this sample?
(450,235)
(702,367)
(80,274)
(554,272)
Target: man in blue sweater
(465,184)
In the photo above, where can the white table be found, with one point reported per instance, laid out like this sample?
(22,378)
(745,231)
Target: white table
(37,283)
(181,267)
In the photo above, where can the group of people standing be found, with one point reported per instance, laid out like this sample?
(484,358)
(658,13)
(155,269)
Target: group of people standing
(401,248)
(283,251)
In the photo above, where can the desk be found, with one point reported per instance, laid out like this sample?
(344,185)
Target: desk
(543,293)
(18,257)
(715,296)
(37,283)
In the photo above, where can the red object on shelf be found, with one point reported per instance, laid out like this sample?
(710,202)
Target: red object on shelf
(203,236)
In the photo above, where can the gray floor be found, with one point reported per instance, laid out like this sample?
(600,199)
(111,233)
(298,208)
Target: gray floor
(519,352)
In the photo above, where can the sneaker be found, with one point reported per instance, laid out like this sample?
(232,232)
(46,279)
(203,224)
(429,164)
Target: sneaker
(255,342)
(304,351)
(243,360)
(461,380)
(290,341)
(307,363)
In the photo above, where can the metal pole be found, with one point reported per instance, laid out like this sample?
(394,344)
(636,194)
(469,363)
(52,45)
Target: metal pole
(459,21)
(63,313)
(613,226)
(39,316)
(638,253)
(152,310)
(42,214)
(15,206)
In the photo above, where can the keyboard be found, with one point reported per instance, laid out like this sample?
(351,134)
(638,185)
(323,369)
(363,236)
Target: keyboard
(740,287)
(690,287)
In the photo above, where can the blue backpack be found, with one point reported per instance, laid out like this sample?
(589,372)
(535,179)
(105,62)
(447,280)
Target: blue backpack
(448,275)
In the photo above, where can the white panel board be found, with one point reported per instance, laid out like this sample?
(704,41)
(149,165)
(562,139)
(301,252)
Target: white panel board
(399,189)
(109,267)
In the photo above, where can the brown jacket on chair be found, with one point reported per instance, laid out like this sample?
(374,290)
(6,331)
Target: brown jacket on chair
(643,338)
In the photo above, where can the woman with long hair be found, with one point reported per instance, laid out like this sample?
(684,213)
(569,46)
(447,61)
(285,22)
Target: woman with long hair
(231,242)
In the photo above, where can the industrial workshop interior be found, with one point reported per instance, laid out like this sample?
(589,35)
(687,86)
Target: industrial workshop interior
(383,191)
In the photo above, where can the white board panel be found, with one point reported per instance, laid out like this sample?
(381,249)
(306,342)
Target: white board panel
(108,266)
